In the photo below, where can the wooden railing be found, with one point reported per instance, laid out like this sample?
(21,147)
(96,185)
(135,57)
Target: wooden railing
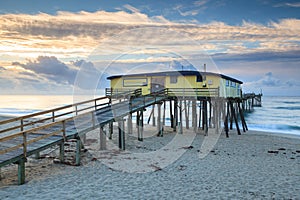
(122,93)
(54,119)
(142,100)
(193,92)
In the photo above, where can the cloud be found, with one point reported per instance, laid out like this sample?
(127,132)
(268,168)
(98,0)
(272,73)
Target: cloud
(287,56)
(270,81)
(50,68)
(288,4)
(192,10)
(75,35)
(131,8)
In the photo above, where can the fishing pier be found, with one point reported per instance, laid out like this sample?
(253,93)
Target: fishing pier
(193,107)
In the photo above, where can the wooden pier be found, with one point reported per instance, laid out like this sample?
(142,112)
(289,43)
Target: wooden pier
(30,134)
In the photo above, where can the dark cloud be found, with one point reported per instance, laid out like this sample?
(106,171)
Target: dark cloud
(178,66)
(270,81)
(2,68)
(51,68)
(90,78)
(259,56)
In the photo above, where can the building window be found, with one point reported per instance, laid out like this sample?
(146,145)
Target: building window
(135,82)
(233,84)
(198,78)
(227,82)
(173,79)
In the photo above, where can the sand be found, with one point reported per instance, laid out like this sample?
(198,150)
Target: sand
(254,165)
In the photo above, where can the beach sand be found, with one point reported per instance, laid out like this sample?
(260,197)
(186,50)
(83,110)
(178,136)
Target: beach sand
(254,165)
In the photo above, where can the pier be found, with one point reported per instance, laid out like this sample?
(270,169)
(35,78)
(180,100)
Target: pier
(28,135)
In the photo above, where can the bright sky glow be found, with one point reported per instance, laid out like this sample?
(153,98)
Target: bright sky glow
(43,43)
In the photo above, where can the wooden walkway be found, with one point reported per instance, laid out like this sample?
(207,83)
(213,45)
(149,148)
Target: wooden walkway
(28,135)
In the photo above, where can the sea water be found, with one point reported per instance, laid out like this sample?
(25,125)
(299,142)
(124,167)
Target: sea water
(277,114)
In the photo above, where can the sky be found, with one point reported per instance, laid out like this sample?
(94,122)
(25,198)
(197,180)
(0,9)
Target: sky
(62,47)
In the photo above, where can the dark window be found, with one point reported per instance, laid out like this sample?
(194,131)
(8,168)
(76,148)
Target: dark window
(199,78)
(173,79)
(227,82)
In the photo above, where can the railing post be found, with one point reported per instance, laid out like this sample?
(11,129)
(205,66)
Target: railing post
(76,112)
(24,144)
(95,104)
(53,116)
(22,123)
(64,129)
(93,119)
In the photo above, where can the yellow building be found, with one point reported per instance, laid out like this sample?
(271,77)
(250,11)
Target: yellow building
(179,83)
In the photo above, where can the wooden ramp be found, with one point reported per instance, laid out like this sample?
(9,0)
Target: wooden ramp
(24,136)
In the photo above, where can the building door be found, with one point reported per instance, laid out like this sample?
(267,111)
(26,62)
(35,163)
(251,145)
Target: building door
(157,84)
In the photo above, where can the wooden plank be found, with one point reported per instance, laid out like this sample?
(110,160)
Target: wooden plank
(11,149)
(6,138)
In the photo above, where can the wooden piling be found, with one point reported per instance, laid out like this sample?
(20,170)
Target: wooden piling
(62,152)
(129,124)
(102,139)
(226,113)
(204,117)
(153,115)
(78,151)
(186,111)
(180,117)
(171,114)
(200,114)
(121,134)
(235,118)
(244,124)
(175,121)
(21,171)
(159,124)
(140,128)
(111,129)
(210,114)
(194,115)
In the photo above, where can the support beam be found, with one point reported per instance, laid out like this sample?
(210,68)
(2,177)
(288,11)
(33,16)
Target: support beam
(186,111)
(159,124)
(171,114)
(194,115)
(121,134)
(111,129)
(226,113)
(62,152)
(78,152)
(102,139)
(140,128)
(205,121)
(235,118)
(129,124)
(153,115)
(164,116)
(245,127)
(175,119)
(210,114)
(21,171)
(200,114)
(231,115)
(180,117)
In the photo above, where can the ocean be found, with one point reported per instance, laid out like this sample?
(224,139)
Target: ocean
(277,114)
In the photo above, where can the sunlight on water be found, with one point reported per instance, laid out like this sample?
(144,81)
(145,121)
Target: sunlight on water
(34,102)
